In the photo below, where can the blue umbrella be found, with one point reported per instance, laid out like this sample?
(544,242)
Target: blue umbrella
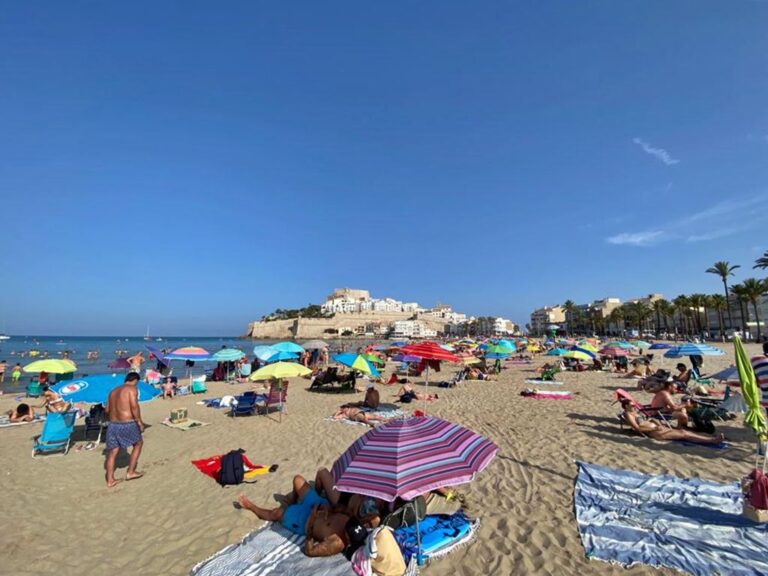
(730,373)
(691,349)
(263,352)
(278,355)
(405,358)
(356,362)
(157,353)
(496,356)
(96,388)
(288,347)
(556,352)
(660,346)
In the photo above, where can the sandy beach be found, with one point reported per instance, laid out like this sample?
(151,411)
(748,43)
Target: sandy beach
(60,517)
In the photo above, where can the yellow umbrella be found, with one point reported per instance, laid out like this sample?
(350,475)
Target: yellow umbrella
(51,366)
(468,360)
(584,345)
(280,370)
(577,354)
(754,418)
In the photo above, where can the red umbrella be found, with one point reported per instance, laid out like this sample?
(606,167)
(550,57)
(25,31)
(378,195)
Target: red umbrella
(429,351)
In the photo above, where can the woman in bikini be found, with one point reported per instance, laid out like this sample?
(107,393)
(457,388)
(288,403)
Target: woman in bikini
(53,402)
(659,432)
(357,415)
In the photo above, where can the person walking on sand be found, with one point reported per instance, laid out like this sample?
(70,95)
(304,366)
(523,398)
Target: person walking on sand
(125,427)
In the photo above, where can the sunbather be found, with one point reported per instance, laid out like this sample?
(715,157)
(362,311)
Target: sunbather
(307,513)
(53,402)
(407,394)
(371,400)
(357,415)
(22,413)
(660,432)
(367,510)
(663,401)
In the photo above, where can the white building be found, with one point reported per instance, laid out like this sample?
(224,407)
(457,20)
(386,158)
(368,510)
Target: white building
(412,329)
(503,326)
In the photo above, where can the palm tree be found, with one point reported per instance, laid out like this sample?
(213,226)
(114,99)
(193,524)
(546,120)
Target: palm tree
(724,269)
(753,290)
(570,309)
(699,304)
(616,317)
(762,262)
(738,291)
(659,307)
(719,303)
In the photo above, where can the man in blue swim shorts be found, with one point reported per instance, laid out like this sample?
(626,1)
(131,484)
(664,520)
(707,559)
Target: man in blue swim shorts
(307,514)
(125,427)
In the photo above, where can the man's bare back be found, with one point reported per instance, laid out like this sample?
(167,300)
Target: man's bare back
(123,404)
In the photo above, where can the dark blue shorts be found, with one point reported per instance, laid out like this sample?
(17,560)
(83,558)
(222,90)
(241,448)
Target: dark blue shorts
(122,434)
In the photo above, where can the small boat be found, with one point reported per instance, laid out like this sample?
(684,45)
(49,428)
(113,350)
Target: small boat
(4,337)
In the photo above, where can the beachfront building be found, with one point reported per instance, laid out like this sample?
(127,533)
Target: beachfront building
(504,327)
(411,329)
(356,301)
(544,318)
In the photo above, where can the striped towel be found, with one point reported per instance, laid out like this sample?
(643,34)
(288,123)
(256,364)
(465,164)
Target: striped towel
(271,550)
(760,366)
(550,395)
(690,525)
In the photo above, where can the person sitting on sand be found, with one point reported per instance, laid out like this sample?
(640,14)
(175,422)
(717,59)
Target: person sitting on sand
(357,415)
(372,400)
(169,389)
(22,413)
(328,532)
(52,402)
(407,394)
(660,432)
(664,402)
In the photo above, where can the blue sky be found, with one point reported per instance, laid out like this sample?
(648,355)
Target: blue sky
(192,166)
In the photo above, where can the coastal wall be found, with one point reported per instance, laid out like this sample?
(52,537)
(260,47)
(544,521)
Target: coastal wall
(305,328)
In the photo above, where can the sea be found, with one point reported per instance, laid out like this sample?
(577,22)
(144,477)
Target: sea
(92,355)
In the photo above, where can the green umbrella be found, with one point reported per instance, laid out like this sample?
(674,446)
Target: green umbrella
(374,359)
(497,349)
(754,418)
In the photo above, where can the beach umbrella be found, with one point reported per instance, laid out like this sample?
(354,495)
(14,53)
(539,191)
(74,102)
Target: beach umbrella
(410,456)
(374,359)
(556,352)
(263,352)
(279,355)
(288,347)
(621,344)
(356,362)
(586,346)
(660,346)
(65,366)
(642,344)
(429,351)
(119,364)
(192,353)
(228,355)
(754,417)
(731,373)
(691,349)
(157,353)
(613,351)
(497,349)
(280,370)
(405,358)
(315,345)
(95,389)
(577,355)
(510,346)
(590,353)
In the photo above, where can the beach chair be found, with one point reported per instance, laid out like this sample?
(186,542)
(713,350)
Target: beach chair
(326,378)
(96,420)
(246,404)
(56,435)
(276,396)
(198,385)
(645,409)
(549,374)
(34,390)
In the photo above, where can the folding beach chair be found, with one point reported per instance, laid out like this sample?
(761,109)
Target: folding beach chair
(645,409)
(56,435)
(246,404)
(34,390)
(276,396)
(96,420)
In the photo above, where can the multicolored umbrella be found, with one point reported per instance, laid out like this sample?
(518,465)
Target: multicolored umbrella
(577,355)
(586,346)
(754,417)
(288,347)
(356,362)
(280,370)
(279,355)
(642,344)
(691,349)
(497,350)
(405,358)
(621,344)
(374,359)
(51,366)
(590,353)
(193,353)
(263,352)
(408,457)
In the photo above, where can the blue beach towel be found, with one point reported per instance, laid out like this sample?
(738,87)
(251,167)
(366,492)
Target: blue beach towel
(690,525)
(440,534)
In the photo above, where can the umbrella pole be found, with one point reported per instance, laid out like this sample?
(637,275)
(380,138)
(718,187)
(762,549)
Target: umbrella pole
(426,393)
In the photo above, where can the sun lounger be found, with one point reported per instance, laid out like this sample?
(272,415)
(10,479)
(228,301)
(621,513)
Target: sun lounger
(245,406)
(56,434)
(645,409)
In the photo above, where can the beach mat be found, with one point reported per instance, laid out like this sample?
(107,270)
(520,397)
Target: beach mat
(543,382)
(440,534)
(187,424)
(550,395)
(5,421)
(690,525)
(393,413)
(271,550)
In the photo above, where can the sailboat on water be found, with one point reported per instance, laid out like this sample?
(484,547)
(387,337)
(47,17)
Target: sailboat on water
(147,336)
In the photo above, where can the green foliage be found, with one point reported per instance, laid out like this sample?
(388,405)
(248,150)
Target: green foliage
(311,311)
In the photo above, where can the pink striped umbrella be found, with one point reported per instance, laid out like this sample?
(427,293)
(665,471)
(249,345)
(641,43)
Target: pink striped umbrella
(613,351)
(411,456)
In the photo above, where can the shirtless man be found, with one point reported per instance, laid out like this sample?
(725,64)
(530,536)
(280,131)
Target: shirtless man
(663,401)
(367,510)
(307,513)
(659,432)
(125,427)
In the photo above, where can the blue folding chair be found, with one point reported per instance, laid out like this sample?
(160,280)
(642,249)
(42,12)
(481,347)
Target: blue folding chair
(56,435)
(246,404)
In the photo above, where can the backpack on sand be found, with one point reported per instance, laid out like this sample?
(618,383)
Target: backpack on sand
(232,468)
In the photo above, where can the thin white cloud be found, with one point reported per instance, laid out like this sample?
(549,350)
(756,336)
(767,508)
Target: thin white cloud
(647,238)
(713,235)
(659,153)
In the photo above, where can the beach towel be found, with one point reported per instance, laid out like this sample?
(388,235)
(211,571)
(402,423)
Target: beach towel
(5,421)
(187,424)
(548,395)
(543,382)
(691,525)
(211,466)
(440,534)
(389,413)
(271,550)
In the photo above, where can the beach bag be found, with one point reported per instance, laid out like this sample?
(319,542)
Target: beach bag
(405,515)
(232,470)
(701,422)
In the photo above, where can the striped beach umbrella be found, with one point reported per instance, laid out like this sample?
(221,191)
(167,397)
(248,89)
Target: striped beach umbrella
(692,349)
(189,353)
(613,351)
(228,355)
(578,355)
(408,457)
(356,362)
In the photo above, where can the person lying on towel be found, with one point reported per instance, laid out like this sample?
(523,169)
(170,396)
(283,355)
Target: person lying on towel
(658,431)
(306,513)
